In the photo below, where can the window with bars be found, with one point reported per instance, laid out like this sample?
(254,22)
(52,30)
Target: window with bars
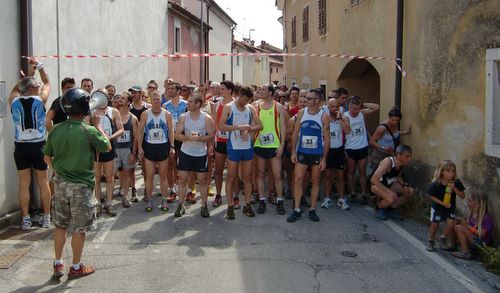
(294,31)
(322,17)
(305,24)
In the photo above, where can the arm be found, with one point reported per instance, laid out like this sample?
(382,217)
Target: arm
(345,123)
(256,123)
(369,108)
(379,132)
(140,133)
(295,135)
(117,119)
(223,126)
(48,119)
(170,124)
(179,129)
(48,161)
(45,91)
(209,124)
(283,119)
(326,139)
(440,202)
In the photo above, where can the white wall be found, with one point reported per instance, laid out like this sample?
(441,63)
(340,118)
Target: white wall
(102,27)
(9,68)
(220,38)
(237,68)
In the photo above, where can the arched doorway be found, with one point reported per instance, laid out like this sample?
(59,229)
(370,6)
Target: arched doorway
(360,78)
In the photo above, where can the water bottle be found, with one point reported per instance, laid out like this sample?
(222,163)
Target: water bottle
(447,194)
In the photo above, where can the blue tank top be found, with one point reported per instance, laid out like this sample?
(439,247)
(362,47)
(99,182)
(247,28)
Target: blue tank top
(176,111)
(311,133)
(156,128)
(28,115)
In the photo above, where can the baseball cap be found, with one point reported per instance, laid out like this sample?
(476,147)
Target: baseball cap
(135,88)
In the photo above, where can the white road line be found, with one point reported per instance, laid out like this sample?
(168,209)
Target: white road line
(461,278)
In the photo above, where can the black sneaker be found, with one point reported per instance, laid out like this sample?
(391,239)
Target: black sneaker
(247,210)
(430,245)
(313,216)
(262,207)
(230,213)
(204,211)
(294,216)
(280,208)
(180,211)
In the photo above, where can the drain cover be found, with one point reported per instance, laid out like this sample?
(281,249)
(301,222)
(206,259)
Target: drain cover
(349,253)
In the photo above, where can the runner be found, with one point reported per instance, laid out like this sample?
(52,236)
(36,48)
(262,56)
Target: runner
(154,136)
(196,130)
(269,146)
(241,121)
(126,148)
(339,126)
(311,135)
(176,107)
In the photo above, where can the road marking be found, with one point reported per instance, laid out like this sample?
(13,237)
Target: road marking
(459,276)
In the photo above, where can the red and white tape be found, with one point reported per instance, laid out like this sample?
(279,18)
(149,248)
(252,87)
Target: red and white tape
(196,55)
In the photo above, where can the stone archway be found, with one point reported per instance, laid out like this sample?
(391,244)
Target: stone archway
(360,78)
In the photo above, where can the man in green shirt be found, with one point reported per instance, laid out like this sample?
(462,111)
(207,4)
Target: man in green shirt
(69,151)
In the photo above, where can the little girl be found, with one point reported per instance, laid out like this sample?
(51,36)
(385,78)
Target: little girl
(477,229)
(443,191)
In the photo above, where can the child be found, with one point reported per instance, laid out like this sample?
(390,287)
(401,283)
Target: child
(443,191)
(477,229)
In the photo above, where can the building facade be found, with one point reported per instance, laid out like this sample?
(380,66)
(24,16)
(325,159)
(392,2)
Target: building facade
(450,94)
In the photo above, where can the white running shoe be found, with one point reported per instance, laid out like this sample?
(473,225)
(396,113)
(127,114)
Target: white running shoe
(343,204)
(327,203)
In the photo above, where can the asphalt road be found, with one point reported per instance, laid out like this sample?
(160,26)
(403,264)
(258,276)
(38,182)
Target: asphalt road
(347,251)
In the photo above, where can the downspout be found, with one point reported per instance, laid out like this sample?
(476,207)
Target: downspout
(399,52)
(202,35)
(232,57)
(59,93)
(26,33)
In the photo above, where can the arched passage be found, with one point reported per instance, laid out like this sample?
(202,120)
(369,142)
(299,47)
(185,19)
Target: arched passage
(360,78)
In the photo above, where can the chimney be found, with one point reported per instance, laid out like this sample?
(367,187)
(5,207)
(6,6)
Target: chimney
(252,42)
(262,43)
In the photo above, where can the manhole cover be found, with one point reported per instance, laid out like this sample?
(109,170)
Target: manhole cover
(349,253)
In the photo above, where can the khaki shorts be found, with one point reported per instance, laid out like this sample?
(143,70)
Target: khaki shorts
(74,206)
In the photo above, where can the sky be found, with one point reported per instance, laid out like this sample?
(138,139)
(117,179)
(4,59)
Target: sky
(259,15)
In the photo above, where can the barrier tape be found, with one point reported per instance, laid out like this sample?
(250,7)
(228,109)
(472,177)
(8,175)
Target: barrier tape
(197,55)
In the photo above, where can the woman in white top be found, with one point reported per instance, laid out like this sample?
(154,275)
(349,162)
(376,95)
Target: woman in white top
(356,144)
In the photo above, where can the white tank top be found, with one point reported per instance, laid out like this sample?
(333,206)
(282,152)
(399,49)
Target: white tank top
(106,122)
(156,128)
(194,128)
(357,138)
(237,117)
(336,135)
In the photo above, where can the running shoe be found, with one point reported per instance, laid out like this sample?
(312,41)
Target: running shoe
(45,221)
(271,198)
(149,205)
(125,202)
(134,196)
(109,210)
(58,270)
(26,224)
(164,205)
(327,203)
(280,207)
(82,272)
(211,191)
(313,216)
(171,198)
(247,210)
(180,211)
(262,207)
(230,213)
(204,211)
(430,245)
(293,217)
(191,198)
(343,204)
(380,213)
(217,201)
(236,203)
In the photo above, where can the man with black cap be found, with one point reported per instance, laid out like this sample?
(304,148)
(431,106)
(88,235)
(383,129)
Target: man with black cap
(74,204)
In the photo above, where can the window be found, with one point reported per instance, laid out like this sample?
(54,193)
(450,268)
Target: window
(276,69)
(237,59)
(177,39)
(262,64)
(492,107)
(322,17)
(305,24)
(294,31)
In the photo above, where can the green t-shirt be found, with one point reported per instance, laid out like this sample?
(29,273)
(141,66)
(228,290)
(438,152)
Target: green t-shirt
(71,144)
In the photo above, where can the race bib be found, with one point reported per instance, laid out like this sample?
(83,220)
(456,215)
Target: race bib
(266,139)
(309,142)
(156,136)
(357,129)
(124,138)
(240,142)
(222,134)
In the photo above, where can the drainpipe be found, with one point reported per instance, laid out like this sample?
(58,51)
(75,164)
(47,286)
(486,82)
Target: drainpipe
(399,52)
(26,33)
(202,59)
(232,43)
